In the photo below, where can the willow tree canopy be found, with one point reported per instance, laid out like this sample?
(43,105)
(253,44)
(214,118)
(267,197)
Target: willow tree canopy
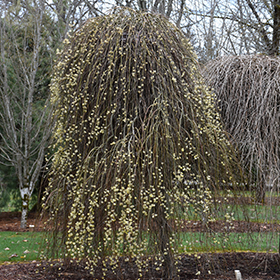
(137,137)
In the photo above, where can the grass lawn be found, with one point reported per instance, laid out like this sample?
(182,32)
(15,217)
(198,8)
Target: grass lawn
(254,242)
(20,246)
(255,213)
(25,246)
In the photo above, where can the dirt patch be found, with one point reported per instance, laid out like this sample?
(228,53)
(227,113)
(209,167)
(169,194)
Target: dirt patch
(10,221)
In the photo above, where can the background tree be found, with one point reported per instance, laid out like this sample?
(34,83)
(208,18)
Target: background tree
(135,131)
(172,9)
(248,90)
(266,23)
(25,127)
(31,32)
(234,27)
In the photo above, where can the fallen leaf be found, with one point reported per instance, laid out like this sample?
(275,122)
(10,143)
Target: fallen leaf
(25,240)
(7,249)
(13,256)
(26,252)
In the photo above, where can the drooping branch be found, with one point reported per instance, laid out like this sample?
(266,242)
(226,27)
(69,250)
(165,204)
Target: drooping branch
(248,90)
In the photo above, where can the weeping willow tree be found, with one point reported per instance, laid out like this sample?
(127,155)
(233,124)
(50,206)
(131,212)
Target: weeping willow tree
(137,142)
(248,88)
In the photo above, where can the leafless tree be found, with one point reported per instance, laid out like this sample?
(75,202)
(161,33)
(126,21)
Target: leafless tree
(24,122)
(266,21)
(173,9)
(235,27)
(71,14)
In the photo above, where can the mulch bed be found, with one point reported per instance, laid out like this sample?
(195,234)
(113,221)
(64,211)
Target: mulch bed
(253,266)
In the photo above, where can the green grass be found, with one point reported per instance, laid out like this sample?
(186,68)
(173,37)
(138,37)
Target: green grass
(247,212)
(26,245)
(197,242)
(256,213)
(252,213)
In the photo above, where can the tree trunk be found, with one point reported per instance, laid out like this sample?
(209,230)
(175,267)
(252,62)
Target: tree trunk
(170,271)
(276,29)
(260,191)
(24,210)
